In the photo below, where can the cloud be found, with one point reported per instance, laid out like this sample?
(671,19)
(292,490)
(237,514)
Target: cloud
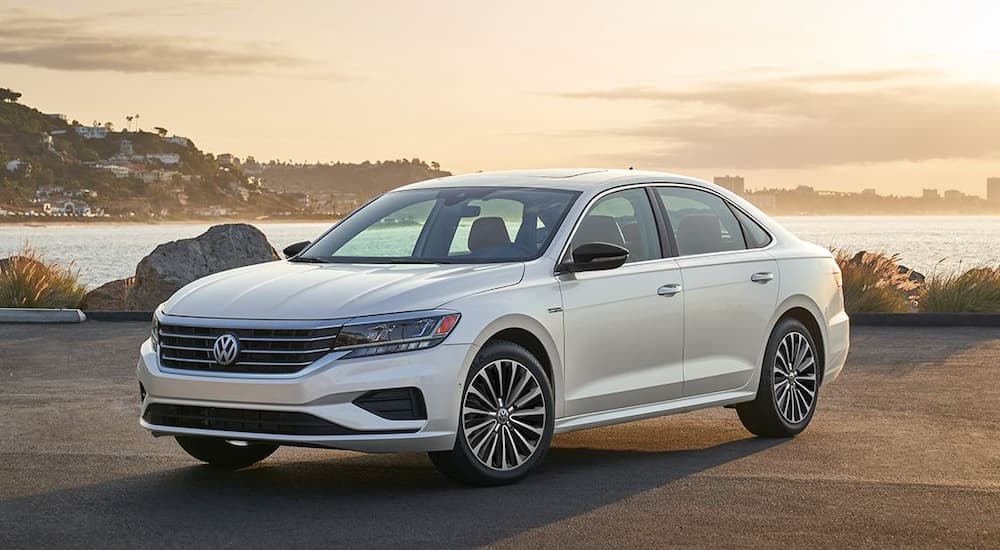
(37,39)
(815,120)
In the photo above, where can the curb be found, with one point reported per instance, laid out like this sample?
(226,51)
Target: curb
(926,319)
(120,316)
(39,315)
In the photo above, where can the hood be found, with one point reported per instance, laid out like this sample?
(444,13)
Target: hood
(286,290)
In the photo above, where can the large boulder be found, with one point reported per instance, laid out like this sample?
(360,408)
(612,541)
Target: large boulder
(175,264)
(110,296)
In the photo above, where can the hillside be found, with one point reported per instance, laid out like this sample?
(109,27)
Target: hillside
(51,166)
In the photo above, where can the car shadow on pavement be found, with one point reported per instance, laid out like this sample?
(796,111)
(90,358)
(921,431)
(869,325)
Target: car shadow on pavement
(358,500)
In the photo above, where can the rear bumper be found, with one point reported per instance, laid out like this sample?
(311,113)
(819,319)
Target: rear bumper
(326,391)
(838,342)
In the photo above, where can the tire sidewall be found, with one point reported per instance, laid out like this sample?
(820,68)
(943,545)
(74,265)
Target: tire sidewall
(494,352)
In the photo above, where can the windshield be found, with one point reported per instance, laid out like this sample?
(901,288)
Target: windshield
(451,225)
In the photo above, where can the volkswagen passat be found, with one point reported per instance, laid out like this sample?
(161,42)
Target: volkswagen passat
(475,316)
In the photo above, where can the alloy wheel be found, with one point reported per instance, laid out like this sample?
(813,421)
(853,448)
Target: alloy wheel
(503,414)
(794,376)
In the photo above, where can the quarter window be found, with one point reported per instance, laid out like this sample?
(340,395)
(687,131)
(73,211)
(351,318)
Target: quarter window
(754,233)
(702,222)
(624,218)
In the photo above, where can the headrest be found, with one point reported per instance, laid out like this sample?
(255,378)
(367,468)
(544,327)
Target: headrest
(699,234)
(598,229)
(487,233)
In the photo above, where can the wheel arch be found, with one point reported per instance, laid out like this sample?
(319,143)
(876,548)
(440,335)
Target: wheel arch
(804,310)
(531,335)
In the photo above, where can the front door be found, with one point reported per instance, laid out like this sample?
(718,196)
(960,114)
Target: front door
(623,327)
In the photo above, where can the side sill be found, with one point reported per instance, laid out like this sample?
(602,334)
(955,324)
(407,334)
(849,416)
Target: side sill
(641,412)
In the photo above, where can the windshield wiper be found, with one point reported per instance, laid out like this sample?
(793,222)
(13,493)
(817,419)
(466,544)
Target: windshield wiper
(308,260)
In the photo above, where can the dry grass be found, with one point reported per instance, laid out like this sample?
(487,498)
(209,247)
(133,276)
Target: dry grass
(974,291)
(27,280)
(873,283)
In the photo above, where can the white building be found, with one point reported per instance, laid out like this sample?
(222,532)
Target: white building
(13,165)
(183,141)
(118,171)
(165,158)
(92,132)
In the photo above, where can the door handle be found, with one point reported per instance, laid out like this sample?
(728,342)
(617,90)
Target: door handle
(669,289)
(762,277)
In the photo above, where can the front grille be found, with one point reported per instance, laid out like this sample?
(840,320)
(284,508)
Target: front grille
(262,351)
(247,421)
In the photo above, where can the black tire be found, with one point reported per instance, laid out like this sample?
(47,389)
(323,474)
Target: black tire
(462,463)
(220,453)
(772,413)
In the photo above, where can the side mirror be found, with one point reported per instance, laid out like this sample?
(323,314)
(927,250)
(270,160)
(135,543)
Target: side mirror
(595,257)
(294,249)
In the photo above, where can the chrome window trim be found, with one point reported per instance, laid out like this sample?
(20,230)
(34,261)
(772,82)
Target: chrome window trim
(583,213)
(730,204)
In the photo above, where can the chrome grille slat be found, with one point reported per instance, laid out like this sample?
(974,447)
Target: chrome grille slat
(271,350)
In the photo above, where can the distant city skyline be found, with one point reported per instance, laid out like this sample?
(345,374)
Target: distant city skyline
(894,95)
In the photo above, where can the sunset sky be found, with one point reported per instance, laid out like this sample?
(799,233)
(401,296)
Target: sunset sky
(838,95)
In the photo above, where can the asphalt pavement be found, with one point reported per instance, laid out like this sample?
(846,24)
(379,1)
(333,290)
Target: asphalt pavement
(903,451)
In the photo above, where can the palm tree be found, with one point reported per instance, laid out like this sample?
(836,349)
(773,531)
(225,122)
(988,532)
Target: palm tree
(137,128)
(129,119)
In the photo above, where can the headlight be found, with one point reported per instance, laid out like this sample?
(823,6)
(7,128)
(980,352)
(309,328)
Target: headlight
(154,337)
(395,334)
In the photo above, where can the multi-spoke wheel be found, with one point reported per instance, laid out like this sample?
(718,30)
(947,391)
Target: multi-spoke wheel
(794,377)
(789,384)
(505,419)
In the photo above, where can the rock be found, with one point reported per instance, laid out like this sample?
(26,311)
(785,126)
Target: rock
(175,264)
(5,263)
(912,276)
(109,296)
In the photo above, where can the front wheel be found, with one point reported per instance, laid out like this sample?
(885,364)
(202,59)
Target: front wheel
(506,419)
(789,384)
(224,454)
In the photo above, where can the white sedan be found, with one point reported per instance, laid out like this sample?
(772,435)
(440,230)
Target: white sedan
(475,316)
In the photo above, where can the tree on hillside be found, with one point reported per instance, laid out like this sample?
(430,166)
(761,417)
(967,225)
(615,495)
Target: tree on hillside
(109,126)
(161,130)
(8,95)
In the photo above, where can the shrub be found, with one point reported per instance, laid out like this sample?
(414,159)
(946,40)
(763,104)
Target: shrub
(873,282)
(974,291)
(27,280)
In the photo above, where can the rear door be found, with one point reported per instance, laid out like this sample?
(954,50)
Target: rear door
(623,327)
(730,288)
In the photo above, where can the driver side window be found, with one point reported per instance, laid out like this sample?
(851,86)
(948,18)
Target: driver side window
(624,218)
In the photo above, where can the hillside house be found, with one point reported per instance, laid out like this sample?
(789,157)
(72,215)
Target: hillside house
(13,165)
(92,132)
(164,158)
(182,141)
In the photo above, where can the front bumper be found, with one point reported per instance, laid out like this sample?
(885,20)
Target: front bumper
(325,390)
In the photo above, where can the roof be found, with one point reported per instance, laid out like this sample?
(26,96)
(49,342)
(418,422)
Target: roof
(588,179)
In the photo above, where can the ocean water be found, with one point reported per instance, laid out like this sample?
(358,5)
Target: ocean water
(103,252)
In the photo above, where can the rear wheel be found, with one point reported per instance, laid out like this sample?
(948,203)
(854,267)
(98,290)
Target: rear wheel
(506,418)
(789,384)
(229,455)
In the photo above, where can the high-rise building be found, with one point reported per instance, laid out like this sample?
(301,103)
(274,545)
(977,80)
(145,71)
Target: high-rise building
(953,195)
(732,183)
(931,194)
(993,189)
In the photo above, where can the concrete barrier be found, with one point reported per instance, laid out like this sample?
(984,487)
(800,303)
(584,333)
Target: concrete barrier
(118,316)
(926,319)
(38,315)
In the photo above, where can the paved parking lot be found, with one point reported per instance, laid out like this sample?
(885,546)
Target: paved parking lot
(904,451)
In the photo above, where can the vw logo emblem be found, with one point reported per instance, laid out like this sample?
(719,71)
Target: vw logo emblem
(226,348)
